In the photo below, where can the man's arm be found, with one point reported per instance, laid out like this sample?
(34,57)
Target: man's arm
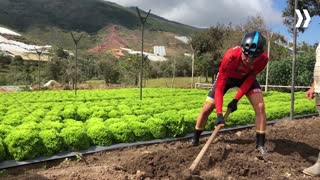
(218,95)
(225,67)
(251,78)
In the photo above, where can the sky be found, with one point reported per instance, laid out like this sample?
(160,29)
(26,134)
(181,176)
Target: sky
(206,13)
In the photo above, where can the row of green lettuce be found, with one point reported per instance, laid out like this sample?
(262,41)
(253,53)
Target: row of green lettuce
(44,123)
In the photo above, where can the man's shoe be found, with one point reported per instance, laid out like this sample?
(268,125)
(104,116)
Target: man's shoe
(262,150)
(195,141)
(196,136)
(313,170)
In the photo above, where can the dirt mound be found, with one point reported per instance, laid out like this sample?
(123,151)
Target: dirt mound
(167,162)
(231,156)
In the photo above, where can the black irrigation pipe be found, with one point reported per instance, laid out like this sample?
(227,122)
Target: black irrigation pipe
(95,149)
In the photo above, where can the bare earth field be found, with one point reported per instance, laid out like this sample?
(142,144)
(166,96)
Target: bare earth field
(291,145)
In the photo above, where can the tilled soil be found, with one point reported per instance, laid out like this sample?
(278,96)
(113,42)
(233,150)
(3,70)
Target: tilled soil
(292,146)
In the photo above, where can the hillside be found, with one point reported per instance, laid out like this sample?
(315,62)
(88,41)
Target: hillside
(114,37)
(50,22)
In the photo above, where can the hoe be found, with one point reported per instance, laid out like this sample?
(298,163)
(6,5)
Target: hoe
(195,163)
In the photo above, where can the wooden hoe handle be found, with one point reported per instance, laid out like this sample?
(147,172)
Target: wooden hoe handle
(195,163)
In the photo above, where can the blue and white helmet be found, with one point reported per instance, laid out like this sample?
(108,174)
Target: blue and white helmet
(253,44)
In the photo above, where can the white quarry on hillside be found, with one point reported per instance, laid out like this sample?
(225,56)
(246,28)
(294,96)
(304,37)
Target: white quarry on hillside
(151,56)
(8,31)
(184,39)
(10,45)
(16,48)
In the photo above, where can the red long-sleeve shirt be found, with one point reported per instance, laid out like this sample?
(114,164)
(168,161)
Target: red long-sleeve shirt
(232,66)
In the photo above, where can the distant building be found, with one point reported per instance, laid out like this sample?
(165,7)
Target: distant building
(288,45)
(184,39)
(159,51)
(151,57)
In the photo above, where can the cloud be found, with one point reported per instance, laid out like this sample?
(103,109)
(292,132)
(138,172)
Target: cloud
(205,13)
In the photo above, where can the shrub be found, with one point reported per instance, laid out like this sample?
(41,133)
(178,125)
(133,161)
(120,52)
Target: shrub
(99,114)
(241,117)
(24,144)
(75,137)
(302,107)
(140,130)
(3,153)
(139,112)
(51,140)
(73,123)
(52,118)
(113,114)
(34,126)
(31,118)
(157,127)
(110,121)
(143,118)
(149,110)
(174,122)
(39,113)
(68,113)
(124,110)
(51,125)
(93,121)
(99,134)
(83,113)
(14,119)
(5,130)
(129,118)
(54,112)
(108,108)
(190,121)
(277,112)
(122,132)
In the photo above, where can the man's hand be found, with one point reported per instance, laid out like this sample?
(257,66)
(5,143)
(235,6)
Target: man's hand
(219,120)
(233,105)
(310,93)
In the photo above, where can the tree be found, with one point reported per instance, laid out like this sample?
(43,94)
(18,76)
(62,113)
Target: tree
(305,47)
(16,67)
(56,67)
(280,71)
(108,68)
(130,68)
(208,65)
(156,71)
(233,34)
(255,23)
(4,63)
(61,67)
(4,60)
(208,45)
(27,72)
(88,66)
(183,66)
(278,53)
(313,7)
